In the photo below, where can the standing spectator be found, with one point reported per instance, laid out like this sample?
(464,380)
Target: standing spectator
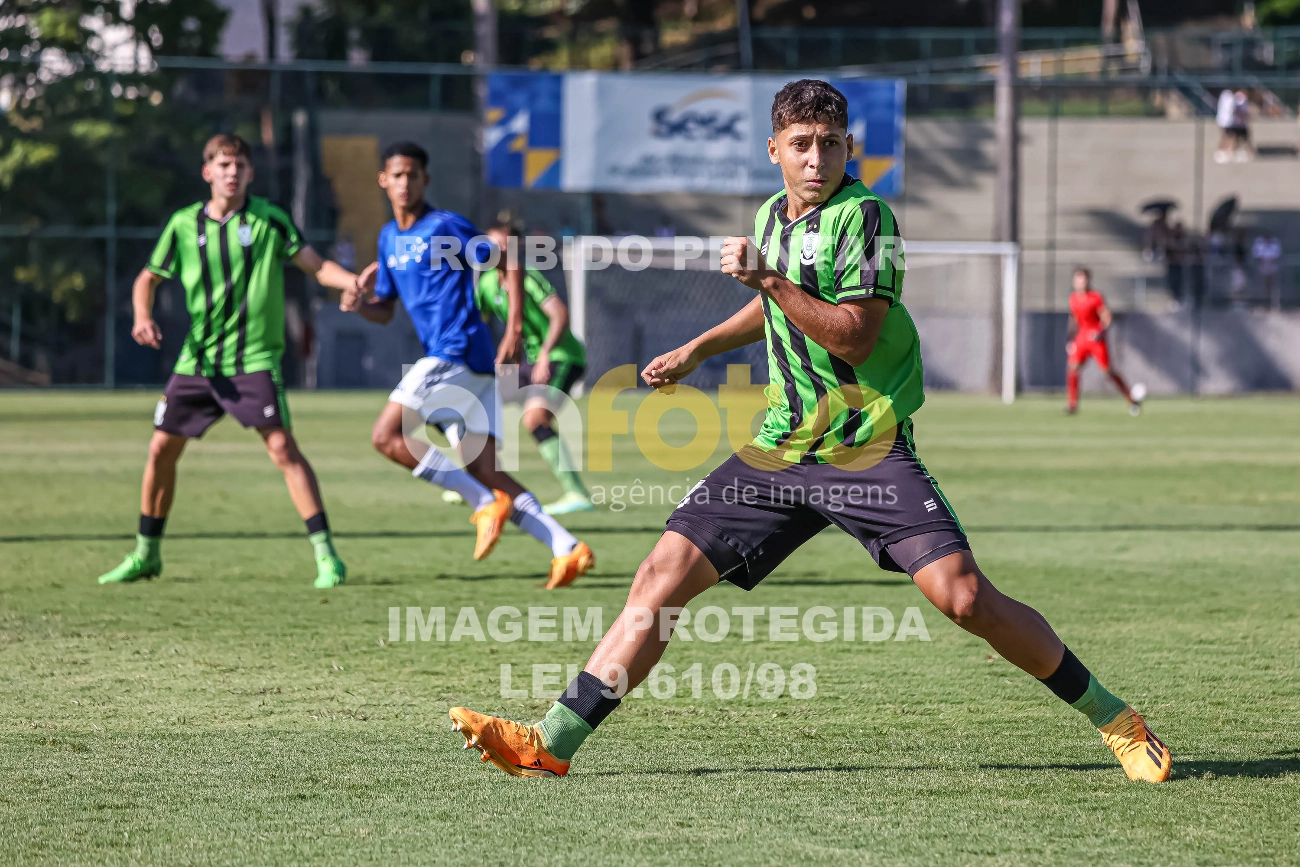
(1267,253)
(1176,253)
(1233,119)
(1224,117)
(1245,151)
(1238,280)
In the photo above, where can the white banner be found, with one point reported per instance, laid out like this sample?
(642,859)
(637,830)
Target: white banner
(648,133)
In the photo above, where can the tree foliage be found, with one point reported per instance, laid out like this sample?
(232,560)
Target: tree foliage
(73,104)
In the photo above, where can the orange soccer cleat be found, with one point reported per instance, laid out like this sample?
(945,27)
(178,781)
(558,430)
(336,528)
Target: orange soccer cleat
(513,747)
(567,569)
(491,520)
(1141,753)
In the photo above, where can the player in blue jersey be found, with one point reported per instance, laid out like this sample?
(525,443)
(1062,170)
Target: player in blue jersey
(424,260)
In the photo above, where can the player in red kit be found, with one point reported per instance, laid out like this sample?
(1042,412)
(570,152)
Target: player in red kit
(1089,319)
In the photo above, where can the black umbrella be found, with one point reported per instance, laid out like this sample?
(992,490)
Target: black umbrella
(1221,219)
(1160,207)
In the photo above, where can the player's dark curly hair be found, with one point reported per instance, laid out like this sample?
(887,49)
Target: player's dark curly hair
(809,100)
(405,149)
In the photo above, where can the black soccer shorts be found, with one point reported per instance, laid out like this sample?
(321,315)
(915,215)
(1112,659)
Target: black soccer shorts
(752,512)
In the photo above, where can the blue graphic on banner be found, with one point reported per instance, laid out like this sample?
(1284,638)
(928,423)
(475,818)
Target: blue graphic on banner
(523,129)
(876,110)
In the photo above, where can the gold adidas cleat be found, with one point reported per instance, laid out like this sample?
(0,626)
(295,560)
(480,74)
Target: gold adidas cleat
(491,520)
(1144,757)
(569,568)
(513,747)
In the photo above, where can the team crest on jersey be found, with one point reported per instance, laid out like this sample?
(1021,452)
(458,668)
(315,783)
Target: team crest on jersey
(809,252)
(408,248)
(245,235)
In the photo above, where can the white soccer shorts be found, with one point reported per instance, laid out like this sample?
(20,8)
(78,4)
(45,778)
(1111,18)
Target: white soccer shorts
(450,395)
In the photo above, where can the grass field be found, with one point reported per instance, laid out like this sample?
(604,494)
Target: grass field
(229,713)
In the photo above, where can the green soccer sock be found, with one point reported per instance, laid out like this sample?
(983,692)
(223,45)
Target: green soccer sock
(323,544)
(148,548)
(563,731)
(1098,705)
(556,457)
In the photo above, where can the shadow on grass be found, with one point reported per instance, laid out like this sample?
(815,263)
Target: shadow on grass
(655,528)
(1282,764)
(243,535)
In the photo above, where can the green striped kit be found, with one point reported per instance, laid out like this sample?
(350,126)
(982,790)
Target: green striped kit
(233,274)
(820,407)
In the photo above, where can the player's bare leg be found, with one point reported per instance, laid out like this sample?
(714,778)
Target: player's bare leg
(956,586)
(159,483)
(675,573)
(1021,636)
(304,490)
(157,488)
(1130,394)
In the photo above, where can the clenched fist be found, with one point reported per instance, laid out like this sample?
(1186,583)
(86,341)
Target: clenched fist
(741,259)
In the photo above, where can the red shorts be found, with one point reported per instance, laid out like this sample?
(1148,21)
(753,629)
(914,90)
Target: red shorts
(1080,351)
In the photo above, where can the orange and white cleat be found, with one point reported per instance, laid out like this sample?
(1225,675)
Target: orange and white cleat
(569,568)
(1142,754)
(513,747)
(491,520)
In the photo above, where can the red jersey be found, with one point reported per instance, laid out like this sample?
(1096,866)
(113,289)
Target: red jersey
(1086,309)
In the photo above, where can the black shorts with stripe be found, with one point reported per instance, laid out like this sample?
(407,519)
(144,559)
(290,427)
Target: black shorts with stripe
(192,404)
(564,375)
(752,512)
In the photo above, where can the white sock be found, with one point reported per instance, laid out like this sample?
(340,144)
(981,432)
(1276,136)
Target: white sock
(530,518)
(438,469)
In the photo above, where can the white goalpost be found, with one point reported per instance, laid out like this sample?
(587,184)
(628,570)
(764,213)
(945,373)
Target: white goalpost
(632,298)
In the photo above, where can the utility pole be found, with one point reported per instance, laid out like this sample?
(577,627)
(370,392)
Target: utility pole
(1007,113)
(485,33)
(272,25)
(485,57)
(744,39)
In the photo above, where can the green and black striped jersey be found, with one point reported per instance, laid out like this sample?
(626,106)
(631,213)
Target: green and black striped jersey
(820,406)
(233,274)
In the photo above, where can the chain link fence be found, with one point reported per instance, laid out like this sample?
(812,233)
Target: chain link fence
(97,159)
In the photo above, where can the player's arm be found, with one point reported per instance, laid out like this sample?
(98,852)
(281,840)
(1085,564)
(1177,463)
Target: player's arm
(326,272)
(742,329)
(848,330)
(1104,316)
(144,330)
(163,265)
(557,314)
(510,349)
(354,299)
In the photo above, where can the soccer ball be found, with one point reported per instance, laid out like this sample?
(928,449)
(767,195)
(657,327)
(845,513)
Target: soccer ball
(1138,392)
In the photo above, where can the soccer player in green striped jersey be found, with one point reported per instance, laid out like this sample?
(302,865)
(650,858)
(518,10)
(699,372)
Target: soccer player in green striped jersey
(836,448)
(228,254)
(553,357)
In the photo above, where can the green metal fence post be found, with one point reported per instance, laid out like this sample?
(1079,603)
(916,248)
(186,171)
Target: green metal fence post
(110,244)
